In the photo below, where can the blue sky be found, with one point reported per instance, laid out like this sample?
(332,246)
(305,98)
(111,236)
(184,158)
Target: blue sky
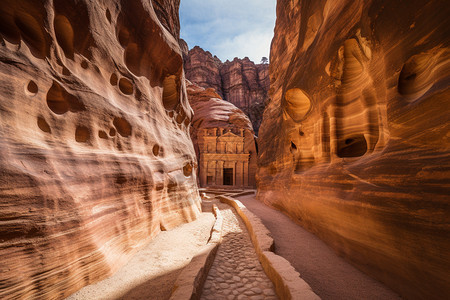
(229,28)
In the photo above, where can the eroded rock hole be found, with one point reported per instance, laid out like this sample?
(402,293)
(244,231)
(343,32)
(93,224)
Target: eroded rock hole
(293,146)
(108,15)
(72,27)
(124,37)
(156,150)
(60,101)
(32,87)
(126,86)
(187,170)
(352,147)
(112,132)
(82,134)
(113,79)
(180,118)
(56,100)
(297,104)
(32,33)
(64,34)
(416,76)
(121,179)
(170,92)
(123,126)
(102,135)
(43,125)
(132,57)
(84,64)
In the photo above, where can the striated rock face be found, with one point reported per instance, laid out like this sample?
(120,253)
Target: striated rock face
(354,144)
(210,111)
(96,156)
(241,81)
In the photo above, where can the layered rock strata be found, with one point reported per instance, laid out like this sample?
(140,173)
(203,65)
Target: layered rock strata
(241,81)
(211,112)
(354,143)
(96,156)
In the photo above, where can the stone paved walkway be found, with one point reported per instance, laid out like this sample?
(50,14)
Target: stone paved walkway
(236,272)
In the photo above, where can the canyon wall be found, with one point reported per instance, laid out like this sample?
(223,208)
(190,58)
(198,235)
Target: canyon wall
(96,156)
(241,81)
(354,143)
(210,111)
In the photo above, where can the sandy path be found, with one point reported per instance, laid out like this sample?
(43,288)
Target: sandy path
(151,273)
(329,275)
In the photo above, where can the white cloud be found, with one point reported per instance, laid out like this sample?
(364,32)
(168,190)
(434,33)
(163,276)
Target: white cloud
(253,44)
(229,28)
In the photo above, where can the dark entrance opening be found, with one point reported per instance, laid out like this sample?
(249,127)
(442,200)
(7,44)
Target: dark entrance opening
(227,176)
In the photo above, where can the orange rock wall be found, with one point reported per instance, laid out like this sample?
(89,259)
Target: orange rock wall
(96,156)
(354,144)
(240,81)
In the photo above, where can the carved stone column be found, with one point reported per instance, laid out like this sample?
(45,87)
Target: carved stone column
(203,171)
(239,173)
(219,172)
(245,172)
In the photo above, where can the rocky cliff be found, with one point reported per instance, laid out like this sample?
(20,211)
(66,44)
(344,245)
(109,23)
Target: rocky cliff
(241,81)
(354,143)
(95,156)
(210,111)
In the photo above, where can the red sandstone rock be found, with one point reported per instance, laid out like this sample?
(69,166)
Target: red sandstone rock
(95,149)
(241,81)
(210,111)
(354,144)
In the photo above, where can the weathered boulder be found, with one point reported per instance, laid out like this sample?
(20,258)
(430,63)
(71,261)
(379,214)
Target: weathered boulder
(354,143)
(241,81)
(95,150)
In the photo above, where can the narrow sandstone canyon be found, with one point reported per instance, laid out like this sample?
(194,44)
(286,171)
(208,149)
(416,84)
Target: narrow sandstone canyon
(354,143)
(105,114)
(241,81)
(96,156)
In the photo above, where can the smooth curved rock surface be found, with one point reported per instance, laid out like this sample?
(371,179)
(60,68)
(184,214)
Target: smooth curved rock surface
(96,156)
(354,143)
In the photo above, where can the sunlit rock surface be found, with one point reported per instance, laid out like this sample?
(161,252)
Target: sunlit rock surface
(210,111)
(354,143)
(94,136)
(241,81)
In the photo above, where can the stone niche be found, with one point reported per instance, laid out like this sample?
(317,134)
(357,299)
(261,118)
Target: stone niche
(223,161)
(355,141)
(96,157)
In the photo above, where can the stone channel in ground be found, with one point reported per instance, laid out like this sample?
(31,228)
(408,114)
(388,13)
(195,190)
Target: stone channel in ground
(236,272)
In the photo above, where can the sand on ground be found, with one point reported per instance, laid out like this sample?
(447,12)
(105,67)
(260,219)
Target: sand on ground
(152,272)
(330,276)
